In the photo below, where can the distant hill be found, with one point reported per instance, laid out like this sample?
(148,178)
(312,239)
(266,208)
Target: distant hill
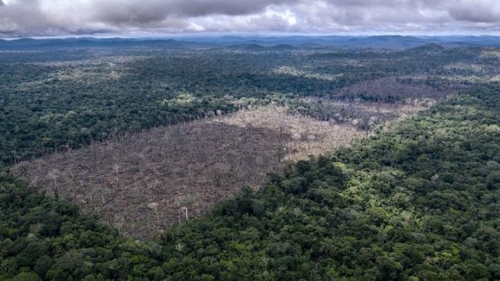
(432,47)
(284,42)
(283,47)
(91,42)
(248,47)
(388,41)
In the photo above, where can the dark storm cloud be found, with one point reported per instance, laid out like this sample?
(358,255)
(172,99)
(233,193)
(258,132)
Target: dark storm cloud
(225,7)
(485,12)
(60,17)
(150,11)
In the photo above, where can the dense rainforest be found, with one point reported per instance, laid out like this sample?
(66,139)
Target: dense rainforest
(417,200)
(59,99)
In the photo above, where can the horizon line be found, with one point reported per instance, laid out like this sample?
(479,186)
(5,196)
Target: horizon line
(242,35)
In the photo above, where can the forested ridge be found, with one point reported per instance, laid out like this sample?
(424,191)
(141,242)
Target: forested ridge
(417,201)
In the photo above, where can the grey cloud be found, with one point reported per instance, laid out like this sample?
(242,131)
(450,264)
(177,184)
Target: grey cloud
(474,16)
(118,14)
(241,7)
(150,11)
(486,11)
(58,17)
(476,12)
(22,16)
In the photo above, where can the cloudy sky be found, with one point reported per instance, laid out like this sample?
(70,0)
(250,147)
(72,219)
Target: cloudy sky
(153,17)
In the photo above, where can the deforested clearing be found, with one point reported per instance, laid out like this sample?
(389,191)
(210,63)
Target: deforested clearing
(144,182)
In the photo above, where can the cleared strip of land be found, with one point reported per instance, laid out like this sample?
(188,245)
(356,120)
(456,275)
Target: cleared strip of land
(144,182)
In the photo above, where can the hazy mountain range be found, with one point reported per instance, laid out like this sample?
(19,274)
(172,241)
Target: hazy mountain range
(256,42)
